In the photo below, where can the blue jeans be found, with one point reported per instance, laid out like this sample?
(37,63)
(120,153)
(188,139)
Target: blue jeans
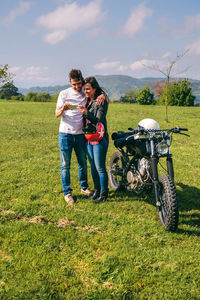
(67,143)
(97,158)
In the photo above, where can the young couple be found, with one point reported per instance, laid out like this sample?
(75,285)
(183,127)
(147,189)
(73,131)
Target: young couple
(82,104)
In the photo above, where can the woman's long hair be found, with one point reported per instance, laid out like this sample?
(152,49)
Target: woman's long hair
(94,84)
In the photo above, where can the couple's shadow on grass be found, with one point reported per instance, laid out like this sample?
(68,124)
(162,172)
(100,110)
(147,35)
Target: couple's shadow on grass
(189,205)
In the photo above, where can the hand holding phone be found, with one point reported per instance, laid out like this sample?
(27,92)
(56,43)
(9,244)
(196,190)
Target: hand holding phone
(73,106)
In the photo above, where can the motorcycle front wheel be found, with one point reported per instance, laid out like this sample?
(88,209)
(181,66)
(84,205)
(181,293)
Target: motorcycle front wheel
(168,210)
(115,171)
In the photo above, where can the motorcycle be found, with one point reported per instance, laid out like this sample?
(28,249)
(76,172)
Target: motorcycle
(134,166)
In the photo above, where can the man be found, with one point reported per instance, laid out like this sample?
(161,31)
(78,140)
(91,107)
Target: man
(71,135)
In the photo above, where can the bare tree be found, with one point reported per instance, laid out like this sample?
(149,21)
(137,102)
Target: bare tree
(5,76)
(167,72)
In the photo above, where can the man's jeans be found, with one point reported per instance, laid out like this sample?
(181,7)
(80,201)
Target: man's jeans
(67,143)
(97,159)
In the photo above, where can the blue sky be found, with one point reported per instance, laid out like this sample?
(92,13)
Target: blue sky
(42,40)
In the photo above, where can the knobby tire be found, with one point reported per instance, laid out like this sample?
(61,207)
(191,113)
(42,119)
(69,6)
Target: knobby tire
(168,211)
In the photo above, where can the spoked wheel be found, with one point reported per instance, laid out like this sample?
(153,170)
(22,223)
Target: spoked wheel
(115,172)
(168,211)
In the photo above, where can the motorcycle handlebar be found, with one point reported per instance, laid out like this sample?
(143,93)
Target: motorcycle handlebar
(117,135)
(121,134)
(121,137)
(177,129)
(119,143)
(183,129)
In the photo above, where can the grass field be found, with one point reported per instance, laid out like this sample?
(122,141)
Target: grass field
(115,250)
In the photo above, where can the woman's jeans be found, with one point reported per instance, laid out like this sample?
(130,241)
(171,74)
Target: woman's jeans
(97,158)
(67,143)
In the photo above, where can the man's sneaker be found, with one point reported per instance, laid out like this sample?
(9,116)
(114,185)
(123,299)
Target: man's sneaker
(69,199)
(86,192)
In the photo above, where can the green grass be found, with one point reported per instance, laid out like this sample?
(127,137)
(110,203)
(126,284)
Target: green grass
(115,250)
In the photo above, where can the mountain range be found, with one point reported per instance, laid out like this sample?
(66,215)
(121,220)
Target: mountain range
(114,85)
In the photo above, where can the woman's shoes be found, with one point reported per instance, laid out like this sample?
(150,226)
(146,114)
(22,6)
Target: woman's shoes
(95,195)
(102,197)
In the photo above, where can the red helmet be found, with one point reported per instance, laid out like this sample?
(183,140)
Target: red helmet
(98,135)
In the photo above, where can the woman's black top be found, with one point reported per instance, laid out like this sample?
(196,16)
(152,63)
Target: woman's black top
(95,114)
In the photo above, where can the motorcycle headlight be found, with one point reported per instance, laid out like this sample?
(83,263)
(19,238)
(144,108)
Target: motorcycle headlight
(162,148)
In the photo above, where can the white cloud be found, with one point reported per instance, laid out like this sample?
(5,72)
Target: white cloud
(95,32)
(192,22)
(122,68)
(31,73)
(171,27)
(136,20)
(55,36)
(109,66)
(105,65)
(22,8)
(141,64)
(166,55)
(67,19)
(34,71)
(194,48)
(14,69)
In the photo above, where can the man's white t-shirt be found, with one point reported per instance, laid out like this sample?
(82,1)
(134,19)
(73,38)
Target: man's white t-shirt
(71,120)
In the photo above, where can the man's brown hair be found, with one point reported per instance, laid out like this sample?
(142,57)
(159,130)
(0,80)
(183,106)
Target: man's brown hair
(76,75)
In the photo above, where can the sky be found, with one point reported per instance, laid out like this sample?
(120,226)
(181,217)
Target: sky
(42,40)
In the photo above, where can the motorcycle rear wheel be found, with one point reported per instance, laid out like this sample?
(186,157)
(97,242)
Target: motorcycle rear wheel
(115,171)
(168,210)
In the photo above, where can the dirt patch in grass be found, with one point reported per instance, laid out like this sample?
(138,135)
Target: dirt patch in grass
(108,285)
(7,212)
(90,229)
(4,255)
(65,222)
(9,215)
(114,216)
(99,253)
(62,223)
(36,219)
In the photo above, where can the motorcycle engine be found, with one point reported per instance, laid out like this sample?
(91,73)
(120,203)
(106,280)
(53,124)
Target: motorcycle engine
(137,178)
(143,166)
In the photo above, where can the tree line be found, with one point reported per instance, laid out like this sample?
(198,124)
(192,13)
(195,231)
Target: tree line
(10,92)
(178,93)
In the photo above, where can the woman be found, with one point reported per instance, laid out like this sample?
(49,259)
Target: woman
(96,150)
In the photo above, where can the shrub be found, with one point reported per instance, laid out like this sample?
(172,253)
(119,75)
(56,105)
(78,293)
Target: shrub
(179,94)
(144,96)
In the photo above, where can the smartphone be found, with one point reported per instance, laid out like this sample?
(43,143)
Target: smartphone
(73,107)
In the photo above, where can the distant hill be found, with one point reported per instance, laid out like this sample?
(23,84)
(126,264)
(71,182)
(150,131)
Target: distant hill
(114,85)
(52,90)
